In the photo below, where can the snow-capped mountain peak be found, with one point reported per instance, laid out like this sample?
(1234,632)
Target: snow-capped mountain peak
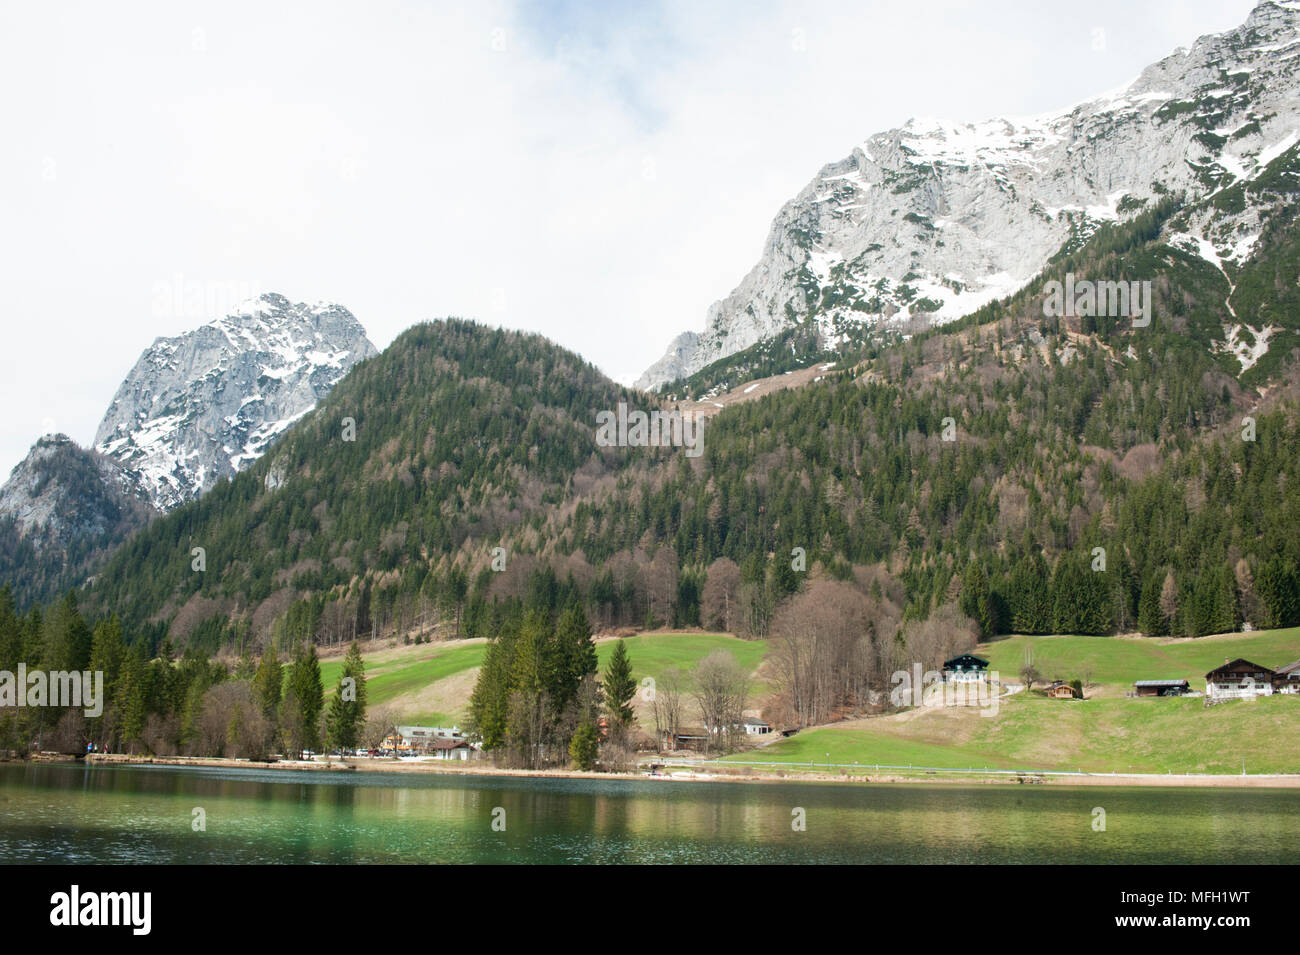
(208,403)
(937,218)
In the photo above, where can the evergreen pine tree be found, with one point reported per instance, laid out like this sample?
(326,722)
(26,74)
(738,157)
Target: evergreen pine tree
(619,687)
(585,746)
(347,709)
(304,677)
(268,683)
(1151,620)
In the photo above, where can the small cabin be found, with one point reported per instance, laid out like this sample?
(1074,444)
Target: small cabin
(966,668)
(1161,687)
(1059,690)
(449,749)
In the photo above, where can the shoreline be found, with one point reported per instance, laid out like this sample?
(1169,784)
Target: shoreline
(739,774)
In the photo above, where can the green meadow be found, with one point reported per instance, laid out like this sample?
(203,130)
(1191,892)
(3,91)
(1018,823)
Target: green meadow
(653,653)
(1099,736)
(390,676)
(1118,661)
(1108,732)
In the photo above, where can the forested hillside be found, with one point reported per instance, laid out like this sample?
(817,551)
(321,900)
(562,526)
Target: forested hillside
(1010,472)
(451,436)
(986,461)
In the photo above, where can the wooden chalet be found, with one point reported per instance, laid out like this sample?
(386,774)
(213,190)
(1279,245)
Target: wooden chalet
(1238,680)
(1060,690)
(966,668)
(1288,679)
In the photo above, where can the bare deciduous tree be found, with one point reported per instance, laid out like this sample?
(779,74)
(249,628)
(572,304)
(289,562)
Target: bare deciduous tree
(661,583)
(946,633)
(231,724)
(833,647)
(1029,673)
(722,686)
(668,707)
(720,597)
(380,723)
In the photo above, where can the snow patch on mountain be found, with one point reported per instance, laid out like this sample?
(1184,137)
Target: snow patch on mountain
(206,404)
(938,218)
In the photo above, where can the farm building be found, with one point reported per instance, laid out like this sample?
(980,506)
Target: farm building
(1059,690)
(1288,679)
(449,749)
(966,668)
(1239,680)
(1161,687)
(419,740)
(748,725)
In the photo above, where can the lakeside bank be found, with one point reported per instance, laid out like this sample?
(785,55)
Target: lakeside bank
(725,773)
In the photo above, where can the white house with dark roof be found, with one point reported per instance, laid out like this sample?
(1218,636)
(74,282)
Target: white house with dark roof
(966,668)
(439,741)
(1239,680)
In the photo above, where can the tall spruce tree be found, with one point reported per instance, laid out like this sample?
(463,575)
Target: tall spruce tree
(268,683)
(619,687)
(347,709)
(308,693)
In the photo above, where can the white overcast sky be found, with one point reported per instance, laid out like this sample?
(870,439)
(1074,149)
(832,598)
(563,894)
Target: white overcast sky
(600,173)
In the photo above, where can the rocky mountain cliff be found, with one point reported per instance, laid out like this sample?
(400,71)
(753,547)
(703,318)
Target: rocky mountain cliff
(206,404)
(937,218)
(195,408)
(62,508)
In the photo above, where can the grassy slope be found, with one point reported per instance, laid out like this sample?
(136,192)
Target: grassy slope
(389,676)
(1119,661)
(1107,733)
(654,653)
(396,678)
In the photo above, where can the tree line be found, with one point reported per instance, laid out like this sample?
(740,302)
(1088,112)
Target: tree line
(162,703)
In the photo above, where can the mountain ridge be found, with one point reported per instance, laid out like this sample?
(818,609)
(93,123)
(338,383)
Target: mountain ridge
(937,218)
(202,405)
(195,408)
(62,509)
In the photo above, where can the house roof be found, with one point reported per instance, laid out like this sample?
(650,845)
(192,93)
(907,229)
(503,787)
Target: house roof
(427,732)
(1238,667)
(966,661)
(1160,683)
(448,744)
(1290,669)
